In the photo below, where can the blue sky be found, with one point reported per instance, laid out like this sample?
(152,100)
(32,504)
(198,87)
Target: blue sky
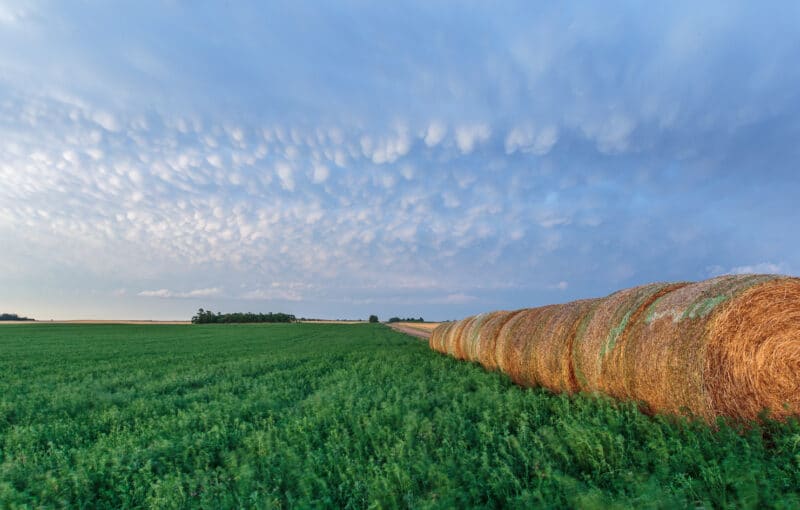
(432,159)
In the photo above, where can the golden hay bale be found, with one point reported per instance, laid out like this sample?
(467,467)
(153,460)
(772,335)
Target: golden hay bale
(599,345)
(471,336)
(453,338)
(505,335)
(488,338)
(729,346)
(550,346)
(460,337)
(513,341)
(434,341)
(442,339)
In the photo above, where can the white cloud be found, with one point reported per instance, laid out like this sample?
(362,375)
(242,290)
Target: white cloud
(214,160)
(386,149)
(611,134)
(760,268)
(286,175)
(457,299)
(275,292)
(166,293)
(408,172)
(529,140)
(435,133)
(321,173)
(468,136)
(106,120)
(10,15)
(95,154)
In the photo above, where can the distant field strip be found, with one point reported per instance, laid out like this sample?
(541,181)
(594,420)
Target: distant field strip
(729,346)
(417,329)
(341,416)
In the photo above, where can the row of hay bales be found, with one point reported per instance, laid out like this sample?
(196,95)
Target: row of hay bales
(729,346)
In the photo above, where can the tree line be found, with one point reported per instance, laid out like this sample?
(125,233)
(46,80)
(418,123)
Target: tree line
(209,317)
(13,317)
(410,319)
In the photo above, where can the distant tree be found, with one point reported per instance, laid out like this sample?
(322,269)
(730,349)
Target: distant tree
(373,318)
(13,317)
(209,317)
(408,319)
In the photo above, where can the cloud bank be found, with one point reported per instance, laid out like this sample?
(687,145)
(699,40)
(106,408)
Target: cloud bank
(408,160)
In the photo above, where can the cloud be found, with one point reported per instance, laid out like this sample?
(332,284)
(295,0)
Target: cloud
(435,133)
(125,165)
(272,295)
(11,15)
(106,120)
(321,173)
(456,299)
(528,140)
(470,135)
(166,294)
(760,268)
(611,134)
(286,175)
(214,160)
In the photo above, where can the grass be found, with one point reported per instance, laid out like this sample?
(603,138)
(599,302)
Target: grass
(350,416)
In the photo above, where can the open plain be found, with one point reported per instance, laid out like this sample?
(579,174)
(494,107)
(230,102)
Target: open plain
(348,416)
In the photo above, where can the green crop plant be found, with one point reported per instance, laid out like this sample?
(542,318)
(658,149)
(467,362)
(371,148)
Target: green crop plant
(341,416)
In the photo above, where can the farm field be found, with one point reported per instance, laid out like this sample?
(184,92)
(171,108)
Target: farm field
(336,415)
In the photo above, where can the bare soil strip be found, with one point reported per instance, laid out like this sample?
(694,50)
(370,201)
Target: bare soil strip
(419,330)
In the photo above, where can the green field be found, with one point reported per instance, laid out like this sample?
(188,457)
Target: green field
(351,416)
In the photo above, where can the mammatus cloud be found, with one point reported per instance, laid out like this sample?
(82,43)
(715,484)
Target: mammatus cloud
(435,133)
(470,161)
(530,140)
(470,135)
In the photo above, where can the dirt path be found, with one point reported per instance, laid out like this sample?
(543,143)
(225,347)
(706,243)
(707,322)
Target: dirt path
(421,330)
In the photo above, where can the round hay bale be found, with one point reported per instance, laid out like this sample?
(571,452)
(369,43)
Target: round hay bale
(441,337)
(472,336)
(488,338)
(444,342)
(729,346)
(460,338)
(599,347)
(551,343)
(434,342)
(453,338)
(513,343)
(753,356)
(504,338)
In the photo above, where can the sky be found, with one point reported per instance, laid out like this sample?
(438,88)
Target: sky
(434,159)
